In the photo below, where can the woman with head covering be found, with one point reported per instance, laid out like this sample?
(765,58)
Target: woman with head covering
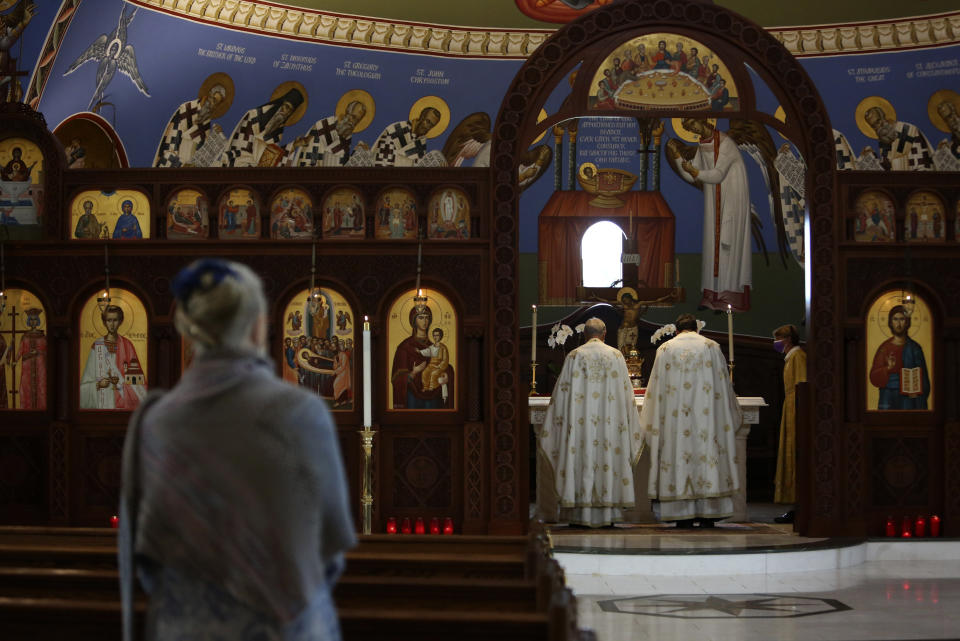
(234,512)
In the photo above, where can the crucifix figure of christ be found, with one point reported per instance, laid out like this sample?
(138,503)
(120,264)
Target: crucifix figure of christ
(8,342)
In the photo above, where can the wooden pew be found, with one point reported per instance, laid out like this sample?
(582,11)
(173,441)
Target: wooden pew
(62,583)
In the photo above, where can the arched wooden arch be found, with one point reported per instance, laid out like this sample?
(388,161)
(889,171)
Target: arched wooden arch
(804,108)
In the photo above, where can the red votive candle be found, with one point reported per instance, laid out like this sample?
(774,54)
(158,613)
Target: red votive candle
(934,525)
(114,521)
(920,527)
(391,525)
(434,525)
(891,527)
(418,527)
(447,525)
(906,528)
(405,525)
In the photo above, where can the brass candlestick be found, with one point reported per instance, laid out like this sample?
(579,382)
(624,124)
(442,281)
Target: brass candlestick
(533,378)
(730,366)
(366,497)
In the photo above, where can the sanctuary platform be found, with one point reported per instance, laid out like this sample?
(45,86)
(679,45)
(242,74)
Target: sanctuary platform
(758,581)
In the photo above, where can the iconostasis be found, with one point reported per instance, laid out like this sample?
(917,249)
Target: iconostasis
(87,328)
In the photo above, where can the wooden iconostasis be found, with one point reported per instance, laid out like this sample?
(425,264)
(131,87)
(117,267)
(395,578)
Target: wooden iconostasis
(61,435)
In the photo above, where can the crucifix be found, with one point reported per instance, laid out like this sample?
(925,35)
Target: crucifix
(8,348)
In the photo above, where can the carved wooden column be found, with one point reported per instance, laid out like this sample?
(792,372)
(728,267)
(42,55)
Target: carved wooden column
(474,450)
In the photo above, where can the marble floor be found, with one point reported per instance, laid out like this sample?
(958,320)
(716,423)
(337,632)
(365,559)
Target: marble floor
(759,582)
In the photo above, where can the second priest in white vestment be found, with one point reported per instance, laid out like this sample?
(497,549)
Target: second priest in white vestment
(591,434)
(690,417)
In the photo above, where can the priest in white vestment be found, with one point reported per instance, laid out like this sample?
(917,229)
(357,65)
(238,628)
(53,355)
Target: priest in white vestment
(591,434)
(689,419)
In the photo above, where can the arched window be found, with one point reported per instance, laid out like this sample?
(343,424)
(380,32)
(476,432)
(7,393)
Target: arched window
(600,252)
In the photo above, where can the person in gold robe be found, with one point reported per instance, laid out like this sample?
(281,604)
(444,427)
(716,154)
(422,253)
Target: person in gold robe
(591,433)
(786,340)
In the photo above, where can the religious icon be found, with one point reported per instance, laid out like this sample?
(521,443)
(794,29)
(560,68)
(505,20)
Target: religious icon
(344,213)
(90,142)
(899,344)
(113,352)
(423,344)
(104,215)
(663,71)
(21,189)
(925,219)
(874,222)
(318,346)
(238,214)
(448,214)
(396,214)
(291,214)
(23,353)
(187,215)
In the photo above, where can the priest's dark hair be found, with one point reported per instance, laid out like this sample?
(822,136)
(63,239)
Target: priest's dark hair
(686,322)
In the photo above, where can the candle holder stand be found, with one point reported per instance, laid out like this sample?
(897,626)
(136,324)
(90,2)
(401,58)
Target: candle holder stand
(533,378)
(366,497)
(730,366)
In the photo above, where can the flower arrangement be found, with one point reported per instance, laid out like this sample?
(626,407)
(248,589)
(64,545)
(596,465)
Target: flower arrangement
(560,333)
(671,329)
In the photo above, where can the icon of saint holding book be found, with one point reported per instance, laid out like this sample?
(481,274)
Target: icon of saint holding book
(899,368)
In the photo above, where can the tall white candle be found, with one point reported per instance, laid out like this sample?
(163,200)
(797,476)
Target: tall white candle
(533,336)
(367,391)
(730,332)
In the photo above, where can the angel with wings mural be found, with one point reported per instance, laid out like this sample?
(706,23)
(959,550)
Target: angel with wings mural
(715,165)
(113,53)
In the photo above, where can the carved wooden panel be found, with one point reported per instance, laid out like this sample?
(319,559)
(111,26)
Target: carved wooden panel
(421,477)
(96,472)
(900,471)
(23,472)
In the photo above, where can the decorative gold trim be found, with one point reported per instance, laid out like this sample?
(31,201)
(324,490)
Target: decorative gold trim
(867,37)
(376,33)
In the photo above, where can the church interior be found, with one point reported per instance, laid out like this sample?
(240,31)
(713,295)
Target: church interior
(507,171)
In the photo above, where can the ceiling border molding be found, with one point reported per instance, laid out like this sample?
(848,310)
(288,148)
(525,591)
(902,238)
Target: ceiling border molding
(376,33)
(869,37)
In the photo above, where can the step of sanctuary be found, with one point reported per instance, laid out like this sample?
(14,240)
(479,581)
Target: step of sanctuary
(62,583)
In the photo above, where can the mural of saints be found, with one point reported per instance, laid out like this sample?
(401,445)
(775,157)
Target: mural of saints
(902,146)
(396,214)
(113,353)
(119,215)
(318,345)
(291,214)
(191,138)
(422,338)
(23,353)
(239,214)
(256,140)
(899,343)
(344,214)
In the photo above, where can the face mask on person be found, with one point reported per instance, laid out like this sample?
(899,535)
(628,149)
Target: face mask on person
(780,345)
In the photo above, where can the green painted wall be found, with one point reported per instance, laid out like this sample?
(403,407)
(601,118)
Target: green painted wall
(781,291)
